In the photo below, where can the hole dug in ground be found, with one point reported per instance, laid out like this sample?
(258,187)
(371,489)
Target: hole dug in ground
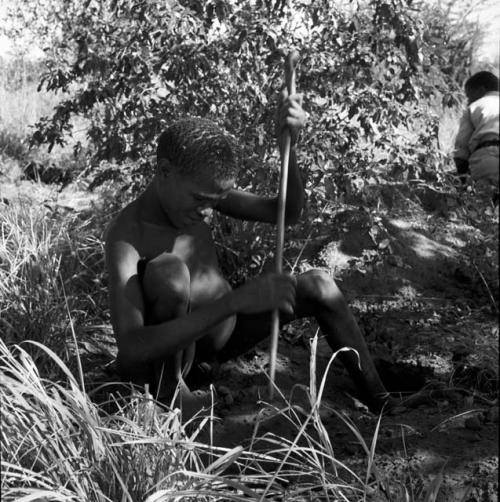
(403,377)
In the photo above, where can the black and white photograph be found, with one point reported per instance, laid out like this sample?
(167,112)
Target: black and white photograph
(249,250)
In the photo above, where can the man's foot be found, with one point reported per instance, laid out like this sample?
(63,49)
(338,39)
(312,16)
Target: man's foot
(179,395)
(391,405)
(383,402)
(193,404)
(202,373)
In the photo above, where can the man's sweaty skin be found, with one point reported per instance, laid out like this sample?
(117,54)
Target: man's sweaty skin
(181,305)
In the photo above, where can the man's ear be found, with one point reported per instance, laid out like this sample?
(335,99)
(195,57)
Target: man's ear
(165,167)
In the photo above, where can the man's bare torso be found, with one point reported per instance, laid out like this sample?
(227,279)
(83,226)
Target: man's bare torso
(193,245)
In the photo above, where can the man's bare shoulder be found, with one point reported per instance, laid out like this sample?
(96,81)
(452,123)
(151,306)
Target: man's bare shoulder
(122,240)
(124,226)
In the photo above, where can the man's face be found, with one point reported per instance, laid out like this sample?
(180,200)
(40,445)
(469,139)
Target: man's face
(187,201)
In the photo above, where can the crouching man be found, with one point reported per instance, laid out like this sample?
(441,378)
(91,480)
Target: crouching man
(170,306)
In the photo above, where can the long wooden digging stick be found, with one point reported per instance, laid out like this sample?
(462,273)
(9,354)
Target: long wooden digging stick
(290,64)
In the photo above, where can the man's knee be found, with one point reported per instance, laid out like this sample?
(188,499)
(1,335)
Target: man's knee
(167,279)
(318,287)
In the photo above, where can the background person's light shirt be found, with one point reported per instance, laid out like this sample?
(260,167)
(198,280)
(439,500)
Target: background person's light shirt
(479,123)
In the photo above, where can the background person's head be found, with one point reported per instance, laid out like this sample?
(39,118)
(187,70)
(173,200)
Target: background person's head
(199,149)
(479,84)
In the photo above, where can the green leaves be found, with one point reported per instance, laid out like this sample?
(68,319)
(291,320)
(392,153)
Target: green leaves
(136,66)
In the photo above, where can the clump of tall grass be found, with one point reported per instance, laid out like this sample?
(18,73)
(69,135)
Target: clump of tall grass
(58,445)
(47,257)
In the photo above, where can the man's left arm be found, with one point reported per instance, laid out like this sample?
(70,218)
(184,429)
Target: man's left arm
(253,207)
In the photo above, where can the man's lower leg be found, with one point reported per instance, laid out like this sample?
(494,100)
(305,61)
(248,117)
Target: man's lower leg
(341,330)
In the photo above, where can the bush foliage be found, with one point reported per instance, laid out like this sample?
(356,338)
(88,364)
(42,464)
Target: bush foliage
(374,76)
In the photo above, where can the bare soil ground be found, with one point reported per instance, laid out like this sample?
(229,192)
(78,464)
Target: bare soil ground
(428,307)
(430,318)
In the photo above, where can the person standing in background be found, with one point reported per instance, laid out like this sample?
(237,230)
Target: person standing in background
(477,141)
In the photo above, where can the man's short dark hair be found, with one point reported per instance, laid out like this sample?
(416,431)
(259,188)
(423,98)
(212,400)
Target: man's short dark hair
(484,79)
(195,146)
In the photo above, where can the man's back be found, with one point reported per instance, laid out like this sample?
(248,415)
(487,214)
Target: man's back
(484,115)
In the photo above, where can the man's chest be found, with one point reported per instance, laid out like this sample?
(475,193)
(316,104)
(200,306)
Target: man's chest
(194,246)
(197,250)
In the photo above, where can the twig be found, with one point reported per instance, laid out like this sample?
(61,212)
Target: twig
(493,302)
(475,411)
(78,360)
(398,297)
(479,397)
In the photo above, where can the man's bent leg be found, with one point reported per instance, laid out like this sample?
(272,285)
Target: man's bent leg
(250,329)
(318,295)
(167,290)
(166,286)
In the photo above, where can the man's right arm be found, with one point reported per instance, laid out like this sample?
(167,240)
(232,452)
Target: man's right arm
(138,343)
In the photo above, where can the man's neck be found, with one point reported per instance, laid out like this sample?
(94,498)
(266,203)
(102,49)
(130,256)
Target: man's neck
(150,209)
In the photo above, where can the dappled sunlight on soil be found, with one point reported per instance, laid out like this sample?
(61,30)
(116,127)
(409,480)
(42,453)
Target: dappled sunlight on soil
(425,295)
